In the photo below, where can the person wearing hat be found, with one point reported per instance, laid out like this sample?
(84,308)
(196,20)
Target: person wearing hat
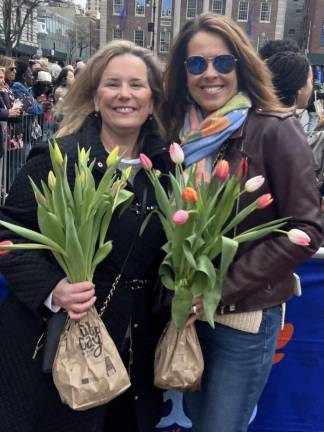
(42,90)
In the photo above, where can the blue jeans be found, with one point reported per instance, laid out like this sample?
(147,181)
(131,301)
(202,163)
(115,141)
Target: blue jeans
(237,366)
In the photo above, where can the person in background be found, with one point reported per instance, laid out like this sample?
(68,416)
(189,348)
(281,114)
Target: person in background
(79,67)
(63,84)
(6,112)
(21,88)
(276,46)
(116,101)
(213,66)
(292,77)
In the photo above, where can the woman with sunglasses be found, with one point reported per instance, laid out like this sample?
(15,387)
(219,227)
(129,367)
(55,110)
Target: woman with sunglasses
(217,86)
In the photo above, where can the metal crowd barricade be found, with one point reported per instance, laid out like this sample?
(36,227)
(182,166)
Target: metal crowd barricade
(20,136)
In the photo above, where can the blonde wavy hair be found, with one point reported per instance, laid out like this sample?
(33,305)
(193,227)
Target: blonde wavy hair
(253,75)
(79,102)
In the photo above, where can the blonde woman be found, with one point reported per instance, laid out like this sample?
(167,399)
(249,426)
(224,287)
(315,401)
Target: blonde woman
(115,101)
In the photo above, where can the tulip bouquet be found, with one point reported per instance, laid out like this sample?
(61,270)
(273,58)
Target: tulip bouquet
(200,227)
(73,223)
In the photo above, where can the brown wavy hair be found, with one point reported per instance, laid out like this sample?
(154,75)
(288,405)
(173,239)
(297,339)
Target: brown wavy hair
(254,77)
(80,100)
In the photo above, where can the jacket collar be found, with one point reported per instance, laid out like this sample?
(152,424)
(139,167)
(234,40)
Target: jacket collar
(89,136)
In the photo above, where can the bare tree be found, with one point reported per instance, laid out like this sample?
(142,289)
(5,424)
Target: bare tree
(14,15)
(83,35)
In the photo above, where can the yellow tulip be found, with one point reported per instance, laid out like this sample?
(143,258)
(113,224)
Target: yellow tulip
(82,155)
(51,180)
(57,154)
(113,155)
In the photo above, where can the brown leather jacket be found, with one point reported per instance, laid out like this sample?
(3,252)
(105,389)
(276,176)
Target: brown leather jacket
(276,147)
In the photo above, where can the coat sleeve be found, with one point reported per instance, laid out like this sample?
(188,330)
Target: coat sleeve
(4,114)
(291,176)
(31,274)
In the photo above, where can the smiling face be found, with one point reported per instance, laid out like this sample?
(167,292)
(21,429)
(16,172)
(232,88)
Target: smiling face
(211,89)
(124,97)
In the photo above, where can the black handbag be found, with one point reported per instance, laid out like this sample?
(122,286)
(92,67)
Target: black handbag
(54,329)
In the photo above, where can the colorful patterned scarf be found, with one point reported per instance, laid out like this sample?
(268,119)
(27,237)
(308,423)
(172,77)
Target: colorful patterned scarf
(202,137)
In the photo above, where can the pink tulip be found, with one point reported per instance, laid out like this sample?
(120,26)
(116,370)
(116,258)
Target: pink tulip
(180,217)
(254,183)
(299,237)
(264,201)
(176,153)
(145,161)
(5,243)
(221,170)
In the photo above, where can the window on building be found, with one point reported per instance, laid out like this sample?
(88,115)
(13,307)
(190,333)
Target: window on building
(265,11)
(243,10)
(117,6)
(291,31)
(139,37)
(322,35)
(191,8)
(166,8)
(217,7)
(262,40)
(140,8)
(165,41)
(117,33)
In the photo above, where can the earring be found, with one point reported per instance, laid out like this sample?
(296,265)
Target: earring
(96,114)
(150,117)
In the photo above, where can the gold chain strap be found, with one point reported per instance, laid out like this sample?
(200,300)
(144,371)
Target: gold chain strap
(220,154)
(109,296)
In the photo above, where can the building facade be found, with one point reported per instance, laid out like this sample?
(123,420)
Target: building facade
(28,40)
(93,8)
(314,31)
(155,23)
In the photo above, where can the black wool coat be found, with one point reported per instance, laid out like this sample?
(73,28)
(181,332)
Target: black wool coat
(29,401)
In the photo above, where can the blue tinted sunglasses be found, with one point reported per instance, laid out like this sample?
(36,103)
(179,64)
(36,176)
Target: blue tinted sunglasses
(223,64)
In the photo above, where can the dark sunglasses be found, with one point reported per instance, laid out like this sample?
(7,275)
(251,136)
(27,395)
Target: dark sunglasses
(12,68)
(223,64)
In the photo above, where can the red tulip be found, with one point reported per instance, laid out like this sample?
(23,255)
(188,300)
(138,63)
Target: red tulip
(189,195)
(242,169)
(264,200)
(221,170)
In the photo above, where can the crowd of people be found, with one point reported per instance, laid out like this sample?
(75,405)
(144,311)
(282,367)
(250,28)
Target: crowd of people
(30,90)
(122,98)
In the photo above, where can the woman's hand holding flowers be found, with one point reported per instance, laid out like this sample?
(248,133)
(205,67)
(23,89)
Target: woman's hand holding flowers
(76,298)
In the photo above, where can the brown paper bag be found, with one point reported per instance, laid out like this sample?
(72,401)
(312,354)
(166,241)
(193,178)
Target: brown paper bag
(179,362)
(87,369)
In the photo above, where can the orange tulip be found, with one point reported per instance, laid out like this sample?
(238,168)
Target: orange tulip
(189,195)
